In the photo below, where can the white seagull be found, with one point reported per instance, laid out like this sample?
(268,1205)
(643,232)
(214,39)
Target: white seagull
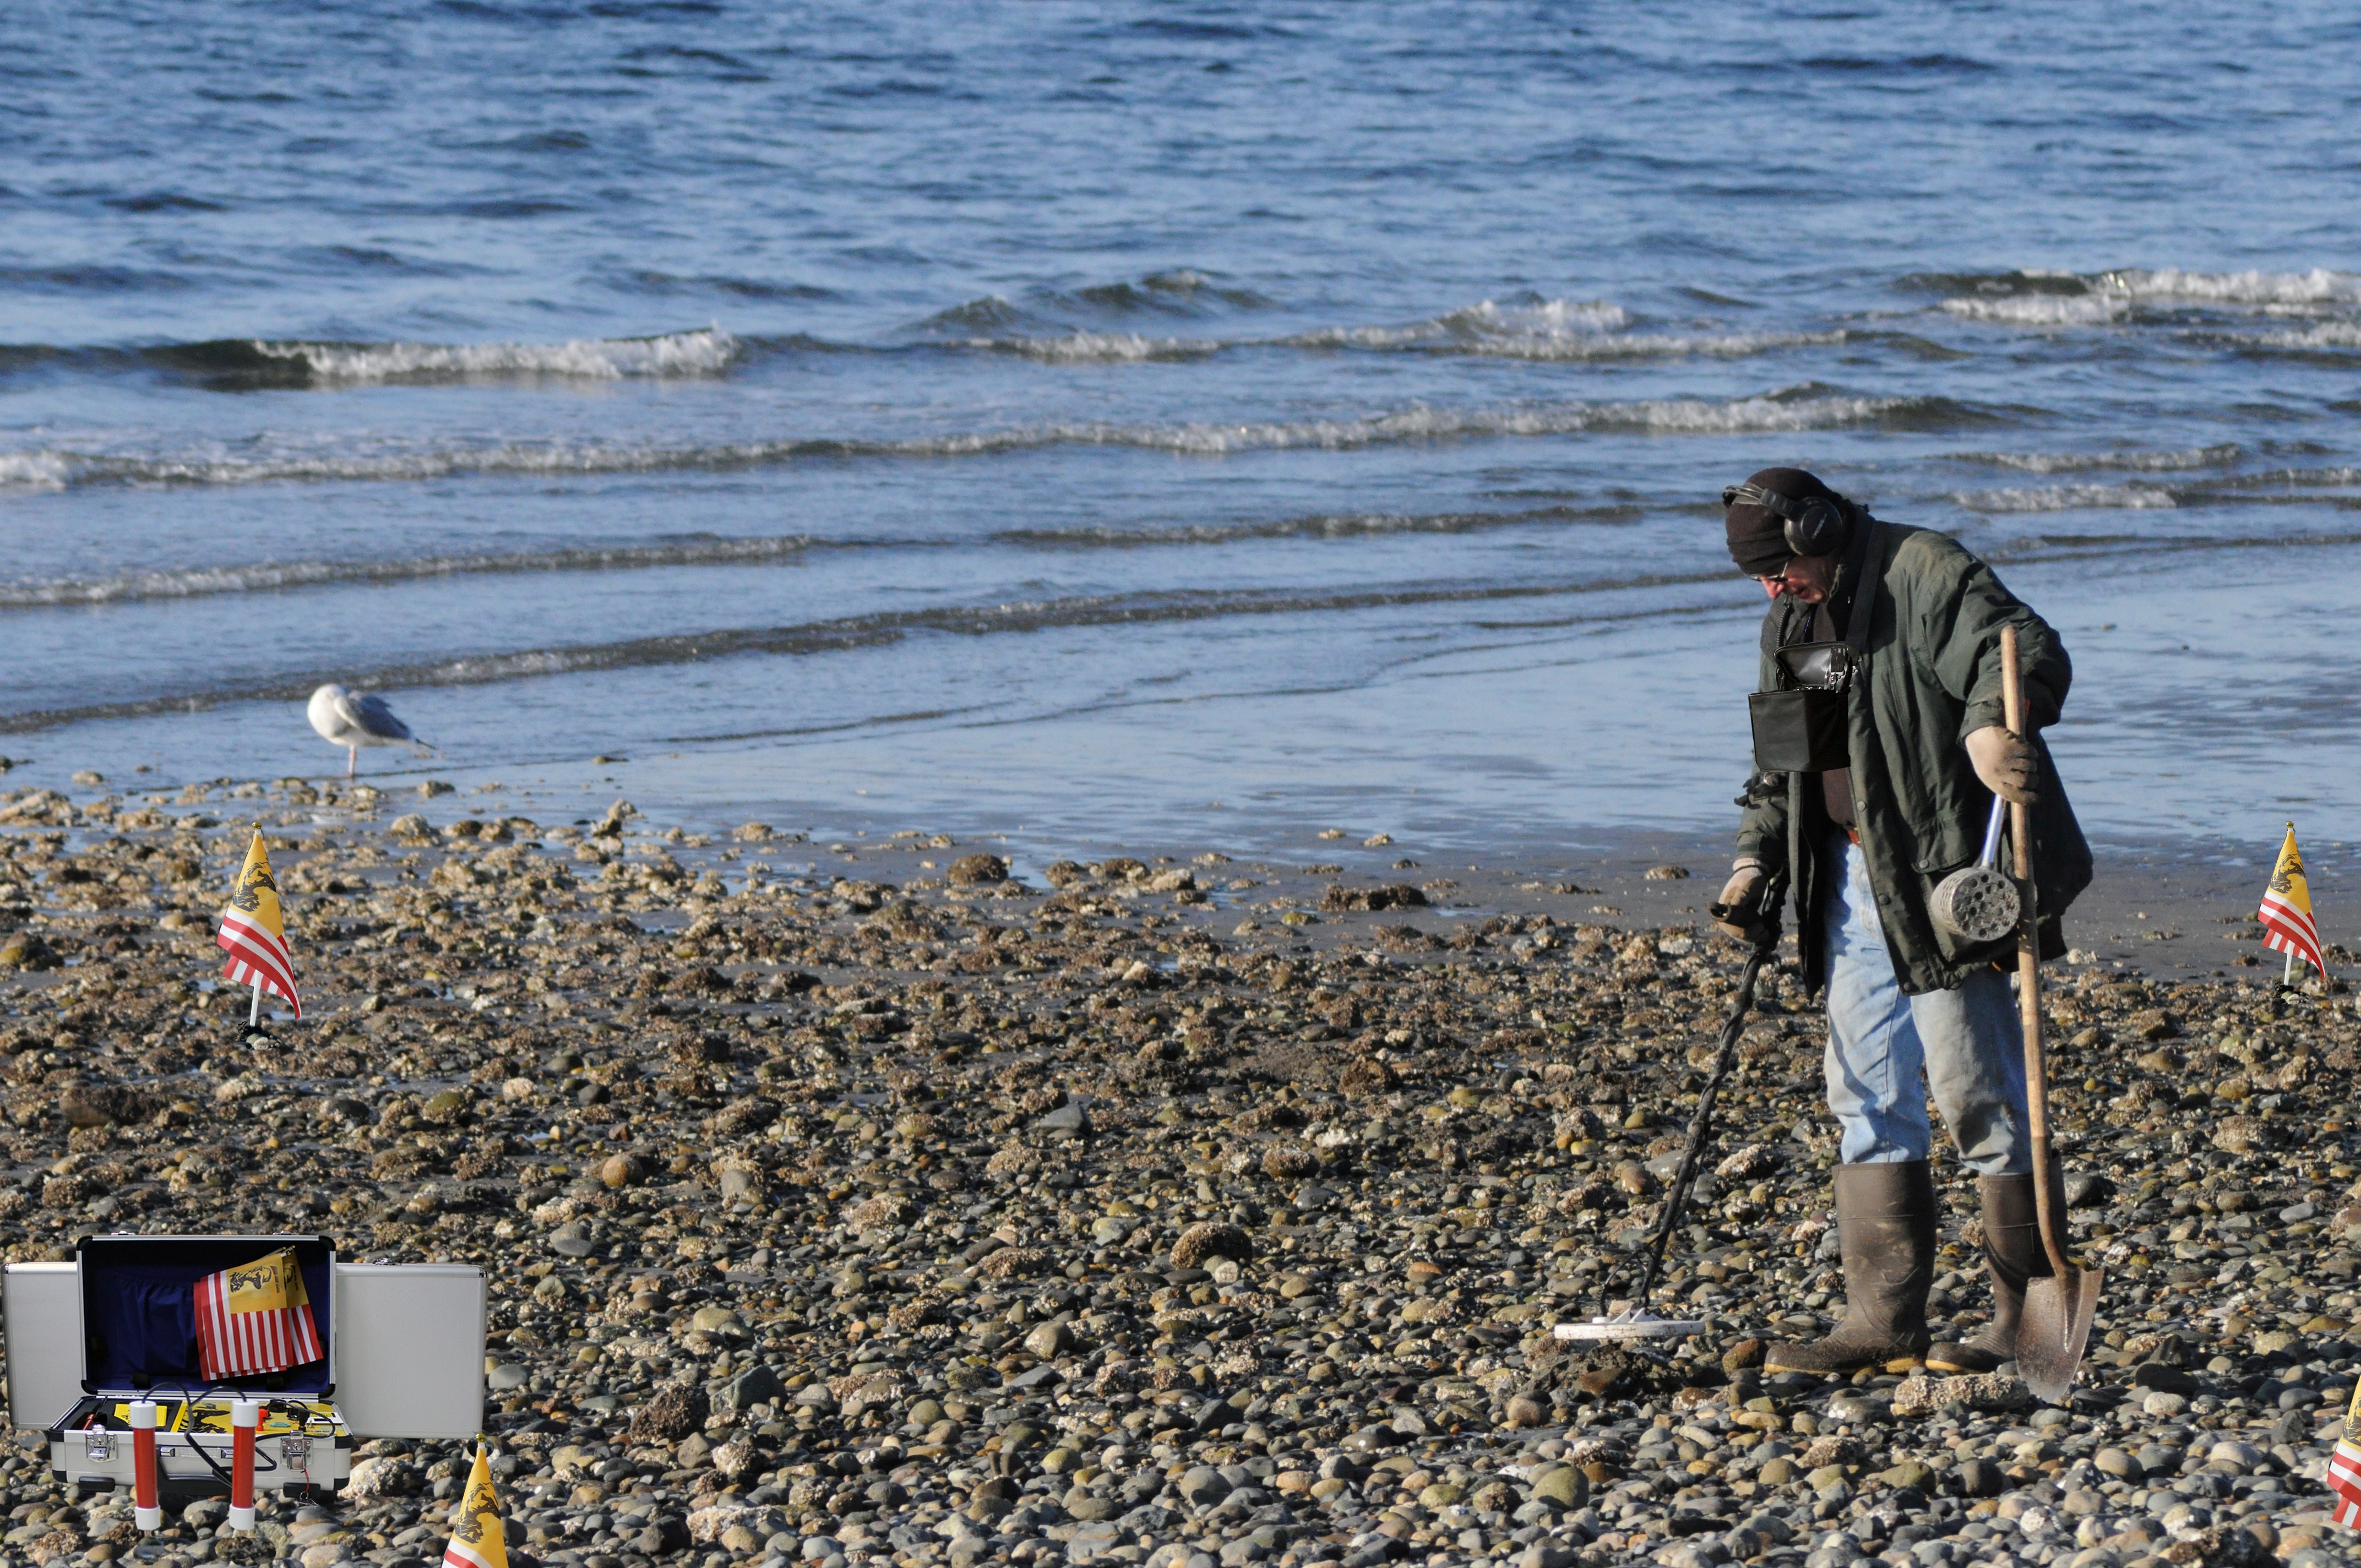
(354,719)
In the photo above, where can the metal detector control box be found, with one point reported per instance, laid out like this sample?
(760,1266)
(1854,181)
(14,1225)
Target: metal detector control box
(404,1358)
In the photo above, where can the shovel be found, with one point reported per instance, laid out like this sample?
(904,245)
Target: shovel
(2056,1324)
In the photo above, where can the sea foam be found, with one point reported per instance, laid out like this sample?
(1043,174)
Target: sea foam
(706,352)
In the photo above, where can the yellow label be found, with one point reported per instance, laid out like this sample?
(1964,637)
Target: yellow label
(312,1416)
(268,1284)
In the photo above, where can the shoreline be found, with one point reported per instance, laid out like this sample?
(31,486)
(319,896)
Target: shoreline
(915,1213)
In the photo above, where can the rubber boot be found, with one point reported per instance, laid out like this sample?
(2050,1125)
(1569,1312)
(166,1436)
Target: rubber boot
(2013,1253)
(1885,1225)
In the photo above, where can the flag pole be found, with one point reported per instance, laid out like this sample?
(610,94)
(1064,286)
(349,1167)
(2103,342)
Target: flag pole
(254,1008)
(2287,974)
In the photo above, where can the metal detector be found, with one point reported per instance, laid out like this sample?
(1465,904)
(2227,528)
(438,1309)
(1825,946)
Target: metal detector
(1638,1323)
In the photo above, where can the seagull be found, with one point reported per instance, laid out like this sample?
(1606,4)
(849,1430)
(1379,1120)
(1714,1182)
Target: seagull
(354,719)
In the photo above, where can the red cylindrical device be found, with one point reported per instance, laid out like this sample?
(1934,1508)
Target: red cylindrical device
(244,1421)
(147,1509)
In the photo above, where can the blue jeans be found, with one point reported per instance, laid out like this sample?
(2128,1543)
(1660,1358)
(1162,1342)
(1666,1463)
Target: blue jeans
(1964,1043)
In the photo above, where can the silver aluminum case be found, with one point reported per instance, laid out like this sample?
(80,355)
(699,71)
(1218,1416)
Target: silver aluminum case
(101,1461)
(406,1359)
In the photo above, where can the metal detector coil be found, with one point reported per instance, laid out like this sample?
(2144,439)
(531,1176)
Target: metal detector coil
(1630,1326)
(1978,903)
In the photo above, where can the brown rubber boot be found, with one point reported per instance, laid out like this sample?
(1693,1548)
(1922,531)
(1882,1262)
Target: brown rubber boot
(1885,1225)
(2013,1253)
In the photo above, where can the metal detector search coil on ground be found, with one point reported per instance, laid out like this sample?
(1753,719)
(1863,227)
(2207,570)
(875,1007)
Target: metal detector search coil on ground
(1638,1323)
(1630,1326)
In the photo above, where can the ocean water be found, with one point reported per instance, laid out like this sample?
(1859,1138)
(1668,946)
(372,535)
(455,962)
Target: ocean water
(1074,416)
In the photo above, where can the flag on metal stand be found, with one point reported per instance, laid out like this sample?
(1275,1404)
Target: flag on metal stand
(2345,1468)
(479,1539)
(2286,914)
(256,1318)
(255,937)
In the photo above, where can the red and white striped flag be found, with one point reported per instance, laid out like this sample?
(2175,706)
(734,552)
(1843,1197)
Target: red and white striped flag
(256,1318)
(253,934)
(2345,1468)
(2286,914)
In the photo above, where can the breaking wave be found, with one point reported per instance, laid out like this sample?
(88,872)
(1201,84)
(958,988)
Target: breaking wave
(2069,497)
(2317,286)
(2042,310)
(1794,410)
(1100,348)
(2037,297)
(1541,330)
(2331,337)
(202,582)
(265,361)
(2272,487)
(2184,461)
(1570,330)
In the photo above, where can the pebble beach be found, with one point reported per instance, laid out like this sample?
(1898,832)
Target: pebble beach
(857,1203)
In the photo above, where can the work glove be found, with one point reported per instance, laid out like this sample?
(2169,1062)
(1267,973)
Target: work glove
(1735,913)
(2006,764)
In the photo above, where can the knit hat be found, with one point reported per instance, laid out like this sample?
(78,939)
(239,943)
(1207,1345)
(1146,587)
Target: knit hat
(1758,536)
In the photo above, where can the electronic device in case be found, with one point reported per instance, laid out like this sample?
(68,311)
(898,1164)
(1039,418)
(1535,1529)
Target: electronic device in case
(402,1357)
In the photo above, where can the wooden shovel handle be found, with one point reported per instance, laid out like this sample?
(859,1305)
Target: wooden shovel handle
(2028,972)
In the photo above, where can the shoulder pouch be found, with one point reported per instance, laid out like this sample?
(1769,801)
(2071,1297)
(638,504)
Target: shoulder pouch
(1802,726)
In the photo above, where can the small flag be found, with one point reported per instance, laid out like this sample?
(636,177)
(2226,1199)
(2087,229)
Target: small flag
(252,933)
(2287,909)
(256,1318)
(479,1539)
(2344,1467)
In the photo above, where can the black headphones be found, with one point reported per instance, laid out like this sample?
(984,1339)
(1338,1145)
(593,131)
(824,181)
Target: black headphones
(1817,525)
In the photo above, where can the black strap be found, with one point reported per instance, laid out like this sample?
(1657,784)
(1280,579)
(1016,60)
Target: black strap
(1864,594)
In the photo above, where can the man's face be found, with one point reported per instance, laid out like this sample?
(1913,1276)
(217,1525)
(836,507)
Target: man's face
(1805,580)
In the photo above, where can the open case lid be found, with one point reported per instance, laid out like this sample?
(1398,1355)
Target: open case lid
(139,1310)
(42,1304)
(411,1349)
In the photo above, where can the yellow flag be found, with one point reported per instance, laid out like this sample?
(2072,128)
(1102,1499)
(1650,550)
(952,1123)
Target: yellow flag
(254,935)
(479,1539)
(255,899)
(2286,914)
(269,1284)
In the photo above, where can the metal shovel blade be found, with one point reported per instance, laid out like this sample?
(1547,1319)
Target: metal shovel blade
(2053,1329)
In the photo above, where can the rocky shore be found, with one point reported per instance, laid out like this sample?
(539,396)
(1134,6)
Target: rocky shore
(858,1203)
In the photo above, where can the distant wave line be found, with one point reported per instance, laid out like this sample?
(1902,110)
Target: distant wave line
(1481,331)
(1795,411)
(200,582)
(849,632)
(1170,607)
(2280,486)
(702,353)
(2183,460)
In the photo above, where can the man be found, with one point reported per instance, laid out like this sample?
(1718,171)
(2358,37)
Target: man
(1862,846)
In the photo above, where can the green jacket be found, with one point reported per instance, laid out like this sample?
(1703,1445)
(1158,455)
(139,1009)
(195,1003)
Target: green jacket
(1933,677)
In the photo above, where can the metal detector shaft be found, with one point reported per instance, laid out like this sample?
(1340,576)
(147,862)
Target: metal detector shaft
(1701,1124)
